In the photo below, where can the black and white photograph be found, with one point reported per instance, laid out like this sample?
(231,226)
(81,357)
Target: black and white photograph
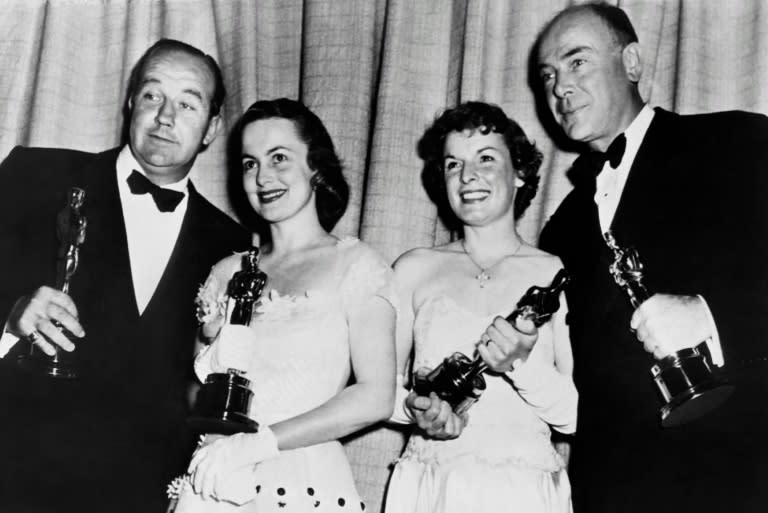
(388,256)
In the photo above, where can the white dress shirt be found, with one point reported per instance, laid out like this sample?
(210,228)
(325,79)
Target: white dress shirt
(608,189)
(151,235)
(610,182)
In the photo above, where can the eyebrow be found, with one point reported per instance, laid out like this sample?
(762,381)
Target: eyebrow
(271,150)
(570,53)
(575,50)
(494,148)
(194,92)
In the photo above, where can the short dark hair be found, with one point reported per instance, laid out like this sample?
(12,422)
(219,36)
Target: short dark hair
(172,45)
(485,118)
(331,189)
(614,17)
(168,46)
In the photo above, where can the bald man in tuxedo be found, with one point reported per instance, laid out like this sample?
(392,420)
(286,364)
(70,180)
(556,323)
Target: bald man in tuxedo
(688,193)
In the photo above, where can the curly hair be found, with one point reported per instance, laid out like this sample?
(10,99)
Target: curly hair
(331,189)
(485,118)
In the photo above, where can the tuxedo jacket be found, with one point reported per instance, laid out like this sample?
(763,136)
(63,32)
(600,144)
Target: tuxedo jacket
(112,439)
(694,207)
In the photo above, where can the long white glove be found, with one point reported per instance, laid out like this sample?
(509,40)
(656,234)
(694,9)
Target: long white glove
(401,414)
(223,469)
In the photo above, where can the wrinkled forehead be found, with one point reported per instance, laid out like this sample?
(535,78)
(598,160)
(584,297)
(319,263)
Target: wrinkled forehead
(181,69)
(576,30)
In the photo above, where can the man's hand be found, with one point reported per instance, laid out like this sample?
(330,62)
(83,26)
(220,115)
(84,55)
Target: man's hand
(503,344)
(435,416)
(666,324)
(34,315)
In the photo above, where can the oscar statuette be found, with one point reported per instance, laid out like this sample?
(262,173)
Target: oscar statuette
(70,231)
(688,383)
(224,399)
(458,380)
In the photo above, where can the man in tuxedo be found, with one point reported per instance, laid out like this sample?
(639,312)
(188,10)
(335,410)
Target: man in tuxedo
(687,193)
(112,439)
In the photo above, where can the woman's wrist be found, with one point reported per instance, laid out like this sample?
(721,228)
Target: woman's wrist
(208,333)
(401,414)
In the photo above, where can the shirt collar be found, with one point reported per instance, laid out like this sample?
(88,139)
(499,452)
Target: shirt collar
(635,133)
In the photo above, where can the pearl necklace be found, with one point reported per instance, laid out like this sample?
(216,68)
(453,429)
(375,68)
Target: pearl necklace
(483,275)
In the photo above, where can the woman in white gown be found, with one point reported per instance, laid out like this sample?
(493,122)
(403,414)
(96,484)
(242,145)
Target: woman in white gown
(481,170)
(325,315)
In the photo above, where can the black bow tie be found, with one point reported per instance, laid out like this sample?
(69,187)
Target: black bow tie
(592,162)
(586,168)
(166,199)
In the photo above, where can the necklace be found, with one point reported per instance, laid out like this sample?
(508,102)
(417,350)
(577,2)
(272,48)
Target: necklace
(483,275)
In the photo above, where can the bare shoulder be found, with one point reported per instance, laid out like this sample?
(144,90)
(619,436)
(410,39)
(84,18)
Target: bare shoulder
(416,265)
(225,267)
(540,253)
(353,250)
(413,259)
(546,263)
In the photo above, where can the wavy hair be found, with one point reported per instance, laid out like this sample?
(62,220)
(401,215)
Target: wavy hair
(485,118)
(331,189)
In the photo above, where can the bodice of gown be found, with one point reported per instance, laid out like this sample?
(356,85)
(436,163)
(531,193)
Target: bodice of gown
(295,352)
(299,354)
(503,427)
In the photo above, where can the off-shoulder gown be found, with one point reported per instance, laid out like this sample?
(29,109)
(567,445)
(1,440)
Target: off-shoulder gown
(297,358)
(503,461)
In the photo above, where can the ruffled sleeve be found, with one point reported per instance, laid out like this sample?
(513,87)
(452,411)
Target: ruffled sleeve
(211,307)
(551,394)
(365,274)
(211,300)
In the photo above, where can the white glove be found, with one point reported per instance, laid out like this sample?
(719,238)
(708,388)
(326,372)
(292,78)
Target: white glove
(223,469)
(401,414)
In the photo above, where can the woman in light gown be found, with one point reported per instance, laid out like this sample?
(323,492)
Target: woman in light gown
(326,315)
(498,456)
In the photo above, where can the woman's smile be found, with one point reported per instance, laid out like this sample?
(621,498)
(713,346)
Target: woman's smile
(474,196)
(271,195)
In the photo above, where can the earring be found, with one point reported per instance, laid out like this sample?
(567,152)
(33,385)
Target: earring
(315,180)
(519,182)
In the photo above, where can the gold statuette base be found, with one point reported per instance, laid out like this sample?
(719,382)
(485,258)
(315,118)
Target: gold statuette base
(688,386)
(57,366)
(222,405)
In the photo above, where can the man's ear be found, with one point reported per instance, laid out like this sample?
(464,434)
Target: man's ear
(633,61)
(214,127)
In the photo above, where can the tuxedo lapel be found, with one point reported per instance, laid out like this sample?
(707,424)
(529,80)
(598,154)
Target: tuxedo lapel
(588,243)
(178,268)
(646,177)
(106,240)
(658,209)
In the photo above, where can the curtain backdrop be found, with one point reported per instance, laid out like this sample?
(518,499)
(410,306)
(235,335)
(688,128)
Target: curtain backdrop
(376,71)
